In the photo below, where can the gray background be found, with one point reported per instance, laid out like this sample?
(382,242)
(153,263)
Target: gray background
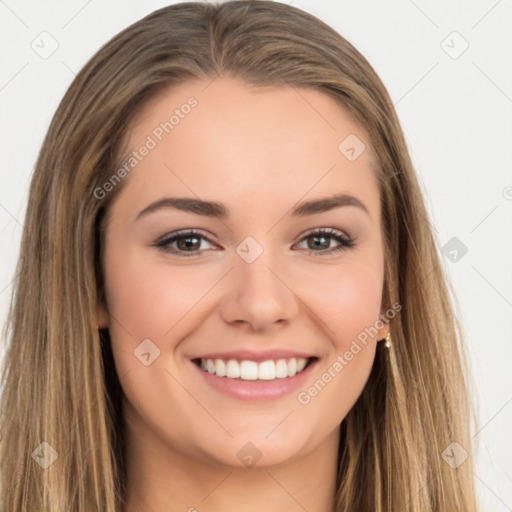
(455,106)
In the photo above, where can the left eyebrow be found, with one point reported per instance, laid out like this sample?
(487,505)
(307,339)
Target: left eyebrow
(220,211)
(327,203)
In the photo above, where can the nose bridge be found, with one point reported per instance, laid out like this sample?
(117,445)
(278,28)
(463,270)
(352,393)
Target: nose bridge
(255,269)
(258,293)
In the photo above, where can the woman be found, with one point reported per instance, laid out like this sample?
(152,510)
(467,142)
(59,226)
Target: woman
(228,295)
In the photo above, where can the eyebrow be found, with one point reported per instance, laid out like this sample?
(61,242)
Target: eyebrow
(218,210)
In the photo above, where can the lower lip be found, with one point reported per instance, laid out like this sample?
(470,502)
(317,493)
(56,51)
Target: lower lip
(257,389)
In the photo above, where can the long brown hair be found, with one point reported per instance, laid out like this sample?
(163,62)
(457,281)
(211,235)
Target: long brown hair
(60,384)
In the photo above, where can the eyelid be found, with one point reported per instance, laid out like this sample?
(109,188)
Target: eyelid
(330,231)
(171,237)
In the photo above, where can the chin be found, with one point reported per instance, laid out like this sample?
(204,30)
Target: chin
(255,451)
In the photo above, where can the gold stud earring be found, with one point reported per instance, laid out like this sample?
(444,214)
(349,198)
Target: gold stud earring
(388,342)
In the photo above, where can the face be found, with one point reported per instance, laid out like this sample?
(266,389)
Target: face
(262,278)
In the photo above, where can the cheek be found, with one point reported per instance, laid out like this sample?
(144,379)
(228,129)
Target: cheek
(348,304)
(346,298)
(148,299)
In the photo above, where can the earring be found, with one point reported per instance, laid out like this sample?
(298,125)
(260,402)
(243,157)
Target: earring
(388,342)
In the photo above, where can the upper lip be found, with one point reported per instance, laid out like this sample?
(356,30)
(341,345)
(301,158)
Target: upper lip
(258,356)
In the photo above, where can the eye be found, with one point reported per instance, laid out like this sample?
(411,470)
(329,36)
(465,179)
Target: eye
(322,238)
(188,243)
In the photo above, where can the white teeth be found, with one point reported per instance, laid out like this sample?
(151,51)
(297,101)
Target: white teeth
(232,369)
(220,367)
(267,370)
(281,368)
(301,363)
(251,370)
(292,367)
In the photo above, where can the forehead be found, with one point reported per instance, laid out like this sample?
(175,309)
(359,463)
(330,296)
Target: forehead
(228,140)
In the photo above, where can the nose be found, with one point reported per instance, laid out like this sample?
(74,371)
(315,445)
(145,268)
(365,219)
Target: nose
(259,295)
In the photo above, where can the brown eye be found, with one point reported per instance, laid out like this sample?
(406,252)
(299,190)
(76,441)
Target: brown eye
(186,242)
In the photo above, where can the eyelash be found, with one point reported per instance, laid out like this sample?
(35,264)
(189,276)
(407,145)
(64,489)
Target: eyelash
(346,242)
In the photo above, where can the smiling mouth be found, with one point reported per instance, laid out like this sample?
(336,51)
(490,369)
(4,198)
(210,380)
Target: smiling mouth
(271,369)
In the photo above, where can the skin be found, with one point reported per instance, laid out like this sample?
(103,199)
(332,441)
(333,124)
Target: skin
(259,151)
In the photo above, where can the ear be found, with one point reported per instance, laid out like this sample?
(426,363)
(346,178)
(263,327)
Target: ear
(102,316)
